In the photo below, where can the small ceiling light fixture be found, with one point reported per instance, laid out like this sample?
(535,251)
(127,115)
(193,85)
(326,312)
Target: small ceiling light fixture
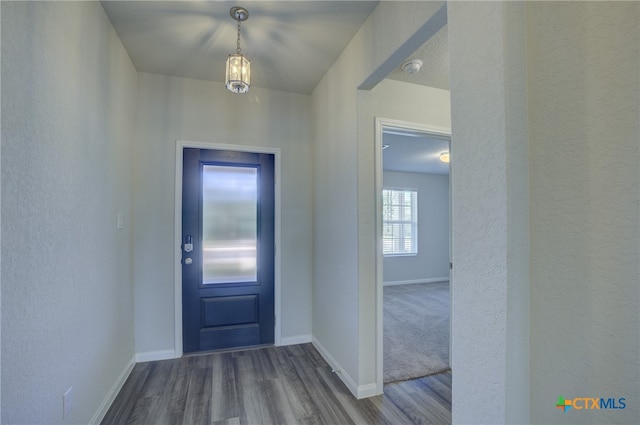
(238,75)
(444,157)
(412,66)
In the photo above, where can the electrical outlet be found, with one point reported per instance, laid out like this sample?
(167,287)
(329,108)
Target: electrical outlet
(120,221)
(67,403)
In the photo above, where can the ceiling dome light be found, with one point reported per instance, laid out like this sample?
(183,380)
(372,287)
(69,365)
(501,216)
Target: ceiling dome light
(238,75)
(412,66)
(444,157)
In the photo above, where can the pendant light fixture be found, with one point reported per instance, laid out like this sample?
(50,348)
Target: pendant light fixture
(238,75)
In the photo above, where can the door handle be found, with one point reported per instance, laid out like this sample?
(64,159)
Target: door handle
(187,261)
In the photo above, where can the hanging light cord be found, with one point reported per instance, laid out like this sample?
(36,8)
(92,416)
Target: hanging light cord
(238,48)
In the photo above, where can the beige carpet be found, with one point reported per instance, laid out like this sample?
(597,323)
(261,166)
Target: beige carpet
(416,330)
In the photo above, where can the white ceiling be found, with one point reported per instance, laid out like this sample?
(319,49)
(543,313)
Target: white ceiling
(435,69)
(291,44)
(414,152)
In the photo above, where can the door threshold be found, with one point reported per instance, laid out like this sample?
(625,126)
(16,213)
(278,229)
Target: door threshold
(228,350)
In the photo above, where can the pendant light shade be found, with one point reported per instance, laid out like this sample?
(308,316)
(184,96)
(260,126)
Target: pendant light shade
(238,72)
(238,77)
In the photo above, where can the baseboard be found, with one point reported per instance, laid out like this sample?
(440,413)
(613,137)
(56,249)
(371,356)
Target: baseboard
(152,356)
(369,390)
(293,340)
(409,282)
(358,391)
(113,392)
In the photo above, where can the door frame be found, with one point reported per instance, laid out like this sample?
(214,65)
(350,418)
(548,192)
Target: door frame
(380,125)
(277,294)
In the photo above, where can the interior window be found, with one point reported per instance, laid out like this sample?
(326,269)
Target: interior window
(400,222)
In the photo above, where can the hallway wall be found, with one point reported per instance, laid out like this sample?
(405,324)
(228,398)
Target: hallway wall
(171,109)
(584,110)
(68,121)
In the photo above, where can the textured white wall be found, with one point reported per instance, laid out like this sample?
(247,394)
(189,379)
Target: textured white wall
(584,91)
(489,213)
(171,109)
(397,100)
(432,260)
(68,119)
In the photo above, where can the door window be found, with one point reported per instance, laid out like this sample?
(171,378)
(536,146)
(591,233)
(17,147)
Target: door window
(229,230)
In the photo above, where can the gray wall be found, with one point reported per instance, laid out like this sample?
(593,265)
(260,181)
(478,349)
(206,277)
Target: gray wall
(172,108)
(68,123)
(432,261)
(584,110)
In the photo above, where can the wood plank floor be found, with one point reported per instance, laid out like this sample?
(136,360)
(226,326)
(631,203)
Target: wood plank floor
(272,385)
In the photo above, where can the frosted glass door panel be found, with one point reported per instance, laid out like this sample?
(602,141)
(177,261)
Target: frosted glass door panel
(229,229)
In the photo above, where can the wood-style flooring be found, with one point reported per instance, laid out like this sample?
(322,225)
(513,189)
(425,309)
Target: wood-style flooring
(272,385)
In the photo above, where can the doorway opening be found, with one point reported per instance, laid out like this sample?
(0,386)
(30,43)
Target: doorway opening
(413,223)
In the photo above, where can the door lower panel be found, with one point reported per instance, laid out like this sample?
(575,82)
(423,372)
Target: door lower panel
(229,311)
(229,336)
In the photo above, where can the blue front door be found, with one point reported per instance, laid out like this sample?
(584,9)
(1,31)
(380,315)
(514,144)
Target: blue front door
(227,249)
